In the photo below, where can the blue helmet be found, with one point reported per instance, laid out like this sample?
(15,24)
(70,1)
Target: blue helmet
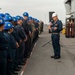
(34,19)
(14,19)
(7,14)
(8,25)
(30,17)
(37,21)
(1,21)
(25,14)
(18,17)
(2,15)
(8,18)
(22,18)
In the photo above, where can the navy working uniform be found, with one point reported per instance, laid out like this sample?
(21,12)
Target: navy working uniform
(3,53)
(22,35)
(37,30)
(11,53)
(3,50)
(56,37)
(26,30)
(12,48)
(17,38)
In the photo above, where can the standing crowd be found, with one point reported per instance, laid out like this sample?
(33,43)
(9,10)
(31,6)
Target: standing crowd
(17,38)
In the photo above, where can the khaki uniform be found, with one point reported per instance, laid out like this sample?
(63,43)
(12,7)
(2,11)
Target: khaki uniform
(40,28)
(33,31)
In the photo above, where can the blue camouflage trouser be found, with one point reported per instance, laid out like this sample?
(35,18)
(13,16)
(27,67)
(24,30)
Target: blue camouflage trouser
(3,62)
(56,44)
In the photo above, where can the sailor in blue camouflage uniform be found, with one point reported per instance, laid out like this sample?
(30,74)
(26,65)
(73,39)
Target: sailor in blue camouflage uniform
(56,27)
(3,49)
(17,38)
(37,29)
(11,19)
(28,33)
(8,29)
(23,37)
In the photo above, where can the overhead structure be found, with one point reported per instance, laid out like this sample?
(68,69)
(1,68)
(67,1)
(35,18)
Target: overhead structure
(70,8)
(70,18)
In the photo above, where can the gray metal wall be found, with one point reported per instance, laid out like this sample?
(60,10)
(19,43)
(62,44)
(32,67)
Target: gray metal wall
(68,8)
(73,7)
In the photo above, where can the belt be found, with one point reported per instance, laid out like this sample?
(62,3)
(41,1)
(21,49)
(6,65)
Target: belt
(55,33)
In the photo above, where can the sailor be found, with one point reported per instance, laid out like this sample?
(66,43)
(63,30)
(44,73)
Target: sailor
(56,27)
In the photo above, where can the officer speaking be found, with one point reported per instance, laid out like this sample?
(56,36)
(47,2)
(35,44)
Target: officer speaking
(55,29)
